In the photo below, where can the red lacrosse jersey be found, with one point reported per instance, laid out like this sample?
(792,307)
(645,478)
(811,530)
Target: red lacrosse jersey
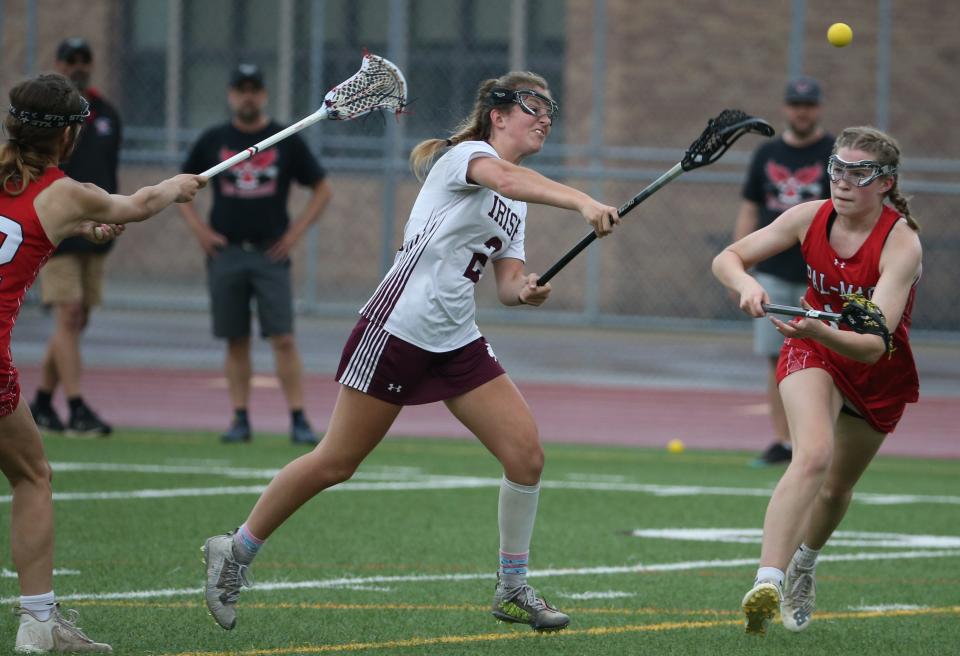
(879,391)
(23,250)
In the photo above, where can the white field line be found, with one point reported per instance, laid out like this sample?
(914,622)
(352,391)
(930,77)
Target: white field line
(883,608)
(838,539)
(355,582)
(396,480)
(10,574)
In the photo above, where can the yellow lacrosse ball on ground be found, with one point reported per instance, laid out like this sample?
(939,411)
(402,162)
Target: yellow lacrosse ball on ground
(675,446)
(839,35)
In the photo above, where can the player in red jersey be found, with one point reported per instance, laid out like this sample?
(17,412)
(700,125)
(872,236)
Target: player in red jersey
(39,207)
(843,391)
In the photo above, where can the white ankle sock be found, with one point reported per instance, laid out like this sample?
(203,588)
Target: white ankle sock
(770,574)
(41,605)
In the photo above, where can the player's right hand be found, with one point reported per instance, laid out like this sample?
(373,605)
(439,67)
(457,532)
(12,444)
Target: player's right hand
(188,185)
(601,217)
(752,297)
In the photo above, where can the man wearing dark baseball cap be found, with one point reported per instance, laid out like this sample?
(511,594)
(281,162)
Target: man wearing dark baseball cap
(73,48)
(246,74)
(72,280)
(248,240)
(802,90)
(784,171)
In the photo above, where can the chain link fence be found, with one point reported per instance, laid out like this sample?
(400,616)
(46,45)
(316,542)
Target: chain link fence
(636,80)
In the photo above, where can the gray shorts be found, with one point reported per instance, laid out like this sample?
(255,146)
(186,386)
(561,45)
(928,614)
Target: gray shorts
(237,275)
(766,340)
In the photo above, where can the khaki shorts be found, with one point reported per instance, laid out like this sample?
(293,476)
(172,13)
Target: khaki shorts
(73,278)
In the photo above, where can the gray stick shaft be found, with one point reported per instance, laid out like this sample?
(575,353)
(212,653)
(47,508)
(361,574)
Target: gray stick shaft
(792,311)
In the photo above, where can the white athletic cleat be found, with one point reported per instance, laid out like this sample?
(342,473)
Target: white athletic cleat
(799,597)
(760,605)
(225,577)
(523,606)
(57,633)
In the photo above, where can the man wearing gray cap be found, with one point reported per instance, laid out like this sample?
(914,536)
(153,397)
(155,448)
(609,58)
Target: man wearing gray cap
(784,171)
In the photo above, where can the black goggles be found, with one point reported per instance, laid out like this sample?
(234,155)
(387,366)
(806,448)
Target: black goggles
(530,101)
(44,120)
(860,173)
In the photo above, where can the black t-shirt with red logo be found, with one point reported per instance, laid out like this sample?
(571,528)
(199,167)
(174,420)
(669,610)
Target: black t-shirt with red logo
(94,159)
(781,176)
(250,198)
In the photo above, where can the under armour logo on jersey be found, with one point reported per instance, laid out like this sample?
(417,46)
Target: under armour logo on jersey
(839,263)
(394,388)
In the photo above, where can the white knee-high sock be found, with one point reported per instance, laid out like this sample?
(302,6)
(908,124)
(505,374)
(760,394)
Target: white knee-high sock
(516,515)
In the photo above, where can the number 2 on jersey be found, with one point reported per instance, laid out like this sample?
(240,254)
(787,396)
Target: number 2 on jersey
(479,260)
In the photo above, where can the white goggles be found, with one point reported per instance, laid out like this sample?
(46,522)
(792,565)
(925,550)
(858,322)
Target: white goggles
(860,173)
(530,101)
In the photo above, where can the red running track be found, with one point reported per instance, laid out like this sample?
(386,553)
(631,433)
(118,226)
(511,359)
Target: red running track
(707,419)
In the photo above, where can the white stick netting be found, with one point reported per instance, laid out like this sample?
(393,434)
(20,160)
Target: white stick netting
(378,85)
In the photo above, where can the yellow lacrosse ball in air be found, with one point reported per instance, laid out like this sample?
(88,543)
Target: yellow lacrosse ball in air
(675,446)
(839,35)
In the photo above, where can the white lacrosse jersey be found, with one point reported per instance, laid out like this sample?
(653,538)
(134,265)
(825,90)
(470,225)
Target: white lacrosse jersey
(454,229)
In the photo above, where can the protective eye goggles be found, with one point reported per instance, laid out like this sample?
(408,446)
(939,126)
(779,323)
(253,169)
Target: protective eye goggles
(530,101)
(43,120)
(860,173)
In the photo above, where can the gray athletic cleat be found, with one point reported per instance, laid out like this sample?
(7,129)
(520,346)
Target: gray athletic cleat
(760,605)
(523,606)
(799,597)
(56,633)
(225,577)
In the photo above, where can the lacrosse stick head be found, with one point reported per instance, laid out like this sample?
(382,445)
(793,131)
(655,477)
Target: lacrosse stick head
(721,132)
(864,316)
(378,85)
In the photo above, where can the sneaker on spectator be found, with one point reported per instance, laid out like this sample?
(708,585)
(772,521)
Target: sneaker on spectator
(239,431)
(46,418)
(775,454)
(301,433)
(85,422)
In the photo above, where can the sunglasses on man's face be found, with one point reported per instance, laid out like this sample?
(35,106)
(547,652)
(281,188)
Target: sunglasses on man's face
(77,59)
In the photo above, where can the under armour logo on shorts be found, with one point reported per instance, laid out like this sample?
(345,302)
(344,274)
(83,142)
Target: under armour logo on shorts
(492,354)
(394,388)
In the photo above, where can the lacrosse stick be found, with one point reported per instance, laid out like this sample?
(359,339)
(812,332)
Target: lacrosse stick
(718,136)
(863,316)
(378,85)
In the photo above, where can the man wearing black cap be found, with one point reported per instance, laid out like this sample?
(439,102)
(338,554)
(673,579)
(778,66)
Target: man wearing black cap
(72,280)
(248,243)
(785,171)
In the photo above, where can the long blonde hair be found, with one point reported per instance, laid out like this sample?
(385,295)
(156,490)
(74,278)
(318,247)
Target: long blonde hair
(31,148)
(887,152)
(476,126)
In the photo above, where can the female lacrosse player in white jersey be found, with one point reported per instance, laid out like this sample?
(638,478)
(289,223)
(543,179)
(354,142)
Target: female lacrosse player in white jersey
(417,340)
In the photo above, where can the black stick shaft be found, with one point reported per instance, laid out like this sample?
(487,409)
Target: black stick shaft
(650,189)
(792,311)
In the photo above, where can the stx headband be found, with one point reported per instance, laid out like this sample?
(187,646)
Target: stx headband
(44,120)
